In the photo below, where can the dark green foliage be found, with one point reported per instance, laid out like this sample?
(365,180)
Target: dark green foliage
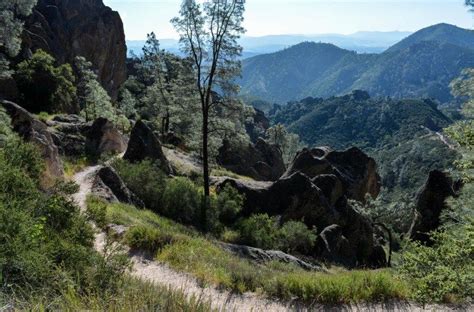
(259,231)
(46,87)
(229,204)
(422,65)
(145,179)
(97,211)
(182,201)
(294,236)
(45,244)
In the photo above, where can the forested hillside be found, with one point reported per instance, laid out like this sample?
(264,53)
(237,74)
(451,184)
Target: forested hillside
(421,65)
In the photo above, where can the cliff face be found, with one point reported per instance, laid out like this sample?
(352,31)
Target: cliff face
(70,28)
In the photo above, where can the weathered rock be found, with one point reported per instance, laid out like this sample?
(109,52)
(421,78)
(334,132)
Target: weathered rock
(431,202)
(109,186)
(297,197)
(88,28)
(173,139)
(356,170)
(69,134)
(144,144)
(104,138)
(36,132)
(263,256)
(261,161)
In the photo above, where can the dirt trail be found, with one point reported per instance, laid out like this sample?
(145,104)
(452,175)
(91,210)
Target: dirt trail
(161,275)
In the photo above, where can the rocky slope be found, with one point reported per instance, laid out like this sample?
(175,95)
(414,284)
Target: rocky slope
(88,28)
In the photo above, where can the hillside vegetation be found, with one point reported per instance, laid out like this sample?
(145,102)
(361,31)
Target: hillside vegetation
(421,65)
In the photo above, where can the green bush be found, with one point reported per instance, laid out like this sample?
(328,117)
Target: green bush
(294,236)
(229,204)
(145,179)
(45,87)
(143,237)
(182,201)
(97,211)
(260,231)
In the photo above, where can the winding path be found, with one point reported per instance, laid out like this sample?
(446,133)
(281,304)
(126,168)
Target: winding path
(162,275)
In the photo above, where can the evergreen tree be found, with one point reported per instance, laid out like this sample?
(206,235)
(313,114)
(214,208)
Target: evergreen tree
(289,143)
(93,99)
(127,104)
(11,27)
(209,36)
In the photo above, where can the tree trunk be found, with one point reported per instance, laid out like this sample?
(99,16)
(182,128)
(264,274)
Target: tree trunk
(205,167)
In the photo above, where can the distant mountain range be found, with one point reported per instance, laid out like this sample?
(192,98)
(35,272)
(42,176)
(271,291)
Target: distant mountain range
(421,65)
(361,42)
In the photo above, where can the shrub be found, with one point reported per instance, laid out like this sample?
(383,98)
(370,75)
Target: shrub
(145,179)
(259,231)
(182,201)
(147,238)
(229,204)
(97,211)
(43,86)
(295,236)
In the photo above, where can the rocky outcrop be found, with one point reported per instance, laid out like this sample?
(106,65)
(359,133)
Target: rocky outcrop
(109,186)
(104,138)
(144,144)
(431,202)
(69,134)
(34,131)
(257,127)
(261,161)
(317,192)
(263,256)
(88,28)
(356,171)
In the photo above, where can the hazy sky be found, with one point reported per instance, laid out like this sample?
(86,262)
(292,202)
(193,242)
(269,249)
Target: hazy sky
(270,17)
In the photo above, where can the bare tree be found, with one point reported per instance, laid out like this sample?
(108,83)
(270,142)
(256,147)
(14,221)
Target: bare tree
(209,35)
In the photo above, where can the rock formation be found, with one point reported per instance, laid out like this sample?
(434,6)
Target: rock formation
(144,144)
(69,134)
(262,256)
(109,186)
(261,161)
(431,202)
(104,138)
(316,189)
(34,131)
(356,171)
(258,126)
(88,28)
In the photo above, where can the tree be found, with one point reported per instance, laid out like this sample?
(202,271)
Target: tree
(46,87)
(93,99)
(209,36)
(127,104)
(11,27)
(289,143)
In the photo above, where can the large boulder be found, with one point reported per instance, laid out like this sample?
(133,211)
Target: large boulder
(109,186)
(104,138)
(261,161)
(33,130)
(144,144)
(88,28)
(320,202)
(356,170)
(257,127)
(431,202)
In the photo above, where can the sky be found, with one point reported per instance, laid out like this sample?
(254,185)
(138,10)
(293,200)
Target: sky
(275,17)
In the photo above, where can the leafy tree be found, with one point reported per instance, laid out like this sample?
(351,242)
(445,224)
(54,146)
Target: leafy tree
(209,36)
(289,143)
(45,87)
(295,236)
(93,99)
(11,27)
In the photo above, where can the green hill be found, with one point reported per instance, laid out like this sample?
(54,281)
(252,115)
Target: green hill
(403,135)
(421,65)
